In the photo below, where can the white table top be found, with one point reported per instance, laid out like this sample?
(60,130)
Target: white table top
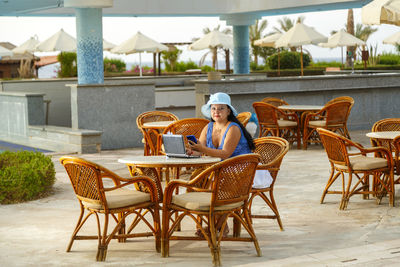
(157,124)
(166,161)
(383,134)
(301,107)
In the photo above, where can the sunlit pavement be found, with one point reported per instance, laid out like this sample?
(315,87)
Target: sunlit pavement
(366,234)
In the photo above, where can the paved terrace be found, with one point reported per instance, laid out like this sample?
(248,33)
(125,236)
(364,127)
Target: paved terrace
(366,234)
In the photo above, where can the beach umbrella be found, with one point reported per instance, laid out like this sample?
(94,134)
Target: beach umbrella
(107,46)
(300,35)
(270,41)
(137,44)
(381,11)
(60,41)
(4,52)
(213,39)
(342,38)
(29,46)
(393,39)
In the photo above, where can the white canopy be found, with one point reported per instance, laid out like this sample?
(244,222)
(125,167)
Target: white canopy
(28,46)
(269,40)
(107,45)
(342,38)
(4,52)
(392,39)
(299,35)
(137,44)
(60,41)
(213,39)
(381,11)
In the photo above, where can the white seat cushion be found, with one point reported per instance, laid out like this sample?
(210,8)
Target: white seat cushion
(120,198)
(361,163)
(317,123)
(200,201)
(286,123)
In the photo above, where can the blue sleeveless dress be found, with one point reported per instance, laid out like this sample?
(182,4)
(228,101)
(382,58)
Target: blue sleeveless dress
(241,148)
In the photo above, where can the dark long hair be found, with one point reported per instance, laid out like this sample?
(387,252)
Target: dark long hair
(247,135)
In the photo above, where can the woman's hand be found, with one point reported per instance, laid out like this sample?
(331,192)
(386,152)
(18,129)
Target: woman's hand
(195,146)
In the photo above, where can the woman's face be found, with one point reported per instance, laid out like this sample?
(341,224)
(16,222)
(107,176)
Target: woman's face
(220,112)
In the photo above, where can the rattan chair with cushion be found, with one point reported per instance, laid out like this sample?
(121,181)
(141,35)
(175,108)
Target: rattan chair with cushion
(274,101)
(150,136)
(244,117)
(357,166)
(396,157)
(274,122)
(332,117)
(271,151)
(219,192)
(389,124)
(115,199)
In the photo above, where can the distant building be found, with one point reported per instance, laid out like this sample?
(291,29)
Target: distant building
(10,67)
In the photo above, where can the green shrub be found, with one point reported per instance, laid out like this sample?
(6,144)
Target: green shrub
(68,65)
(324,64)
(255,67)
(389,59)
(288,60)
(207,68)
(183,66)
(114,65)
(25,175)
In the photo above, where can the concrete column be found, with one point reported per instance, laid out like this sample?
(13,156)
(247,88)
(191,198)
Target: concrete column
(89,31)
(241,57)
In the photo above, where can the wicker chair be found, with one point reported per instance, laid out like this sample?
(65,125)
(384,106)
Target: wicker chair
(220,191)
(340,98)
(359,165)
(244,117)
(116,201)
(332,117)
(396,157)
(274,101)
(271,150)
(150,136)
(391,124)
(288,127)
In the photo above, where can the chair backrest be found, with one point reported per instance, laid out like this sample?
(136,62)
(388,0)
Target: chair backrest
(341,98)
(192,126)
(149,135)
(232,179)
(337,113)
(274,101)
(335,147)
(390,124)
(271,150)
(244,117)
(86,179)
(266,114)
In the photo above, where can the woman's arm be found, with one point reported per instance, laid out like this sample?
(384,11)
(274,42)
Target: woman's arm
(231,141)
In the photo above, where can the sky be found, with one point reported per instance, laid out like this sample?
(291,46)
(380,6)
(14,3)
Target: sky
(17,30)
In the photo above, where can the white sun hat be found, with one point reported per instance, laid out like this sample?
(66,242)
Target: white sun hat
(217,98)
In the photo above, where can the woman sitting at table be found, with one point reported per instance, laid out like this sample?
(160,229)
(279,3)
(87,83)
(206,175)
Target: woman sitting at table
(225,137)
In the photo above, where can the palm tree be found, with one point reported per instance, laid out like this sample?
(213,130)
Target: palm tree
(350,29)
(214,50)
(286,24)
(255,33)
(364,32)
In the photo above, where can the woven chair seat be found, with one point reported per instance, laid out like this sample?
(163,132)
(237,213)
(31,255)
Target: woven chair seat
(286,123)
(120,198)
(362,163)
(200,201)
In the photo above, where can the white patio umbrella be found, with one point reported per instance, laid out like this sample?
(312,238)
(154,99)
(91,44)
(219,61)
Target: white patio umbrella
(392,39)
(300,35)
(137,44)
(342,38)
(29,46)
(269,41)
(60,41)
(4,52)
(213,39)
(107,46)
(381,11)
